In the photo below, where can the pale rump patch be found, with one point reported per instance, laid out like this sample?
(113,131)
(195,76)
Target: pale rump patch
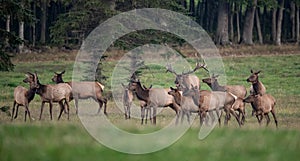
(102,86)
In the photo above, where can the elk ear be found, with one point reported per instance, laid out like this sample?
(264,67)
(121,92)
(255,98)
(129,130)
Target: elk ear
(258,72)
(251,71)
(172,88)
(63,72)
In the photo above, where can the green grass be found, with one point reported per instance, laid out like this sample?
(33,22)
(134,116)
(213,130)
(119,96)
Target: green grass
(68,140)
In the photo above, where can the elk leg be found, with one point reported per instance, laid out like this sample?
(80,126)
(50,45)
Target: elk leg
(274,116)
(219,117)
(182,116)
(236,117)
(128,110)
(154,115)
(42,107)
(125,111)
(102,101)
(61,105)
(50,109)
(68,108)
(76,104)
(267,118)
(17,111)
(13,110)
(27,112)
(188,117)
(142,114)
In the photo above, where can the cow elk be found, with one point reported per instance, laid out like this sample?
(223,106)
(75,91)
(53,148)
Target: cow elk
(84,90)
(186,104)
(208,101)
(262,105)
(23,96)
(154,97)
(237,91)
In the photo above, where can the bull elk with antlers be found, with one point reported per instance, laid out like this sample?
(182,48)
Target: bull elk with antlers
(185,80)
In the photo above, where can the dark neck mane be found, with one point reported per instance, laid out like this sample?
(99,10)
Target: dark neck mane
(215,86)
(30,94)
(141,93)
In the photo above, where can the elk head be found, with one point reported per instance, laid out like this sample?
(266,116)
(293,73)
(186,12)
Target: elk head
(32,79)
(253,77)
(211,80)
(57,78)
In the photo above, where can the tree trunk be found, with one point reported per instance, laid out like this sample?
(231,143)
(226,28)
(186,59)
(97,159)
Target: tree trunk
(8,23)
(260,37)
(249,22)
(222,28)
(298,24)
(279,23)
(43,21)
(34,25)
(238,24)
(7,29)
(21,35)
(192,7)
(274,24)
(231,17)
(292,17)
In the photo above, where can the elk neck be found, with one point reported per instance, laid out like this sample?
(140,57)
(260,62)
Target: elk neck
(215,86)
(141,93)
(30,94)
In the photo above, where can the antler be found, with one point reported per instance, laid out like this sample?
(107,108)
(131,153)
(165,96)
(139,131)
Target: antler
(170,69)
(198,66)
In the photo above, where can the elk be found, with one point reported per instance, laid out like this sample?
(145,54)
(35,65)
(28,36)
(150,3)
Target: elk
(23,96)
(127,100)
(84,90)
(262,105)
(208,101)
(257,86)
(186,103)
(154,97)
(52,93)
(185,80)
(237,91)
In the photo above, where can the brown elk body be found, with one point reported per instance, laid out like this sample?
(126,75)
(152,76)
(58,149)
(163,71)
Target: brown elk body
(262,105)
(53,93)
(154,97)
(212,101)
(84,90)
(22,97)
(238,91)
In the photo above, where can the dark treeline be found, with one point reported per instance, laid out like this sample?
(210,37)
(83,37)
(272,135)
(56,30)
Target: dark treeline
(65,23)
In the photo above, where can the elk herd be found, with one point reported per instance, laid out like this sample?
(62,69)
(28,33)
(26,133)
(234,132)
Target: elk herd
(185,98)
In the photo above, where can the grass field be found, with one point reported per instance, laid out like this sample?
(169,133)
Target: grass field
(68,140)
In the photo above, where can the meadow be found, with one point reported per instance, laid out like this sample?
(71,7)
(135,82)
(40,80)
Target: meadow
(68,140)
